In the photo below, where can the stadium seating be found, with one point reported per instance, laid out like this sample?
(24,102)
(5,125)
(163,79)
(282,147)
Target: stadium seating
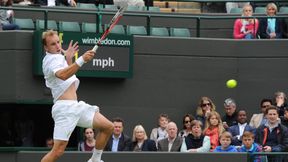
(153,9)
(136,30)
(110,7)
(236,10)
(118,29)
(283,10)
(159,31)
(51,24)
(86,5)
(260,10)
(90,28)
(69,26)
(24,24)
(134,8)
(180,32)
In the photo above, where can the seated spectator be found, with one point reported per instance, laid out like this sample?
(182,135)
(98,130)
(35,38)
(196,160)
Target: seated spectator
(248,145)
(246,28)
(49,142)
(89,140)
(273,136)
(259,119)
(205,105)
(230,117)
(187,119)
(52,3)
(160,132)
(140,141)
(284,119)
(213,129)
(271,27)
(118,140)
(230,5)
(225,141)
(196,141)
(238,130)
(6,16)
(172,143)
(280,102)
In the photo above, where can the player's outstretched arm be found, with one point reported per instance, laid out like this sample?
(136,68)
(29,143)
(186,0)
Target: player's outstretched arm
(73,68)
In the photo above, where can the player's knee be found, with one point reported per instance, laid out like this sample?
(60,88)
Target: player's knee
(110,127)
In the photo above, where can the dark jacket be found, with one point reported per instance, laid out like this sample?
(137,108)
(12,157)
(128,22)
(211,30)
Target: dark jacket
(263,27)
(123,145)
(148,145)
(234,130)
(279,144)
(176,146)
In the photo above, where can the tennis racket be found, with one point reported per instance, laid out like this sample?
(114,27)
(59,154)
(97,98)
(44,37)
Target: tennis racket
(112,23)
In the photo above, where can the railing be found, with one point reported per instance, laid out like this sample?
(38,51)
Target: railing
(147,15)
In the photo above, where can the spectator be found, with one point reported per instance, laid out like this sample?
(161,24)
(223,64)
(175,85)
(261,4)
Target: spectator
(6,16)
(230,5)
(196,141)
(246,28)
(238,130)
(205,105)
(187,119)
(140,141)
(259,119)
(52,3)
(89,140)
(49,142)
(213,129)
(230,117)
(160,132)
(250,146)
(273,136)
(284,119)
(23,2)
(225,141)
(118,141)
(271,27)
(172,143)
(280,102)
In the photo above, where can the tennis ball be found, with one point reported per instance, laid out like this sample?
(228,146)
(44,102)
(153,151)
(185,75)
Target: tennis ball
(232,83)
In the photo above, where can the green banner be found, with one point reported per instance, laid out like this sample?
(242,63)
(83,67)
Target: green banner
(113,59)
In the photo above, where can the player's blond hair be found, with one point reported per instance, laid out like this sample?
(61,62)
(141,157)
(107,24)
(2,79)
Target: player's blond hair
(46,34)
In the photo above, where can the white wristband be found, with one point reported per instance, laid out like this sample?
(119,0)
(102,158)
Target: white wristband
(80,61)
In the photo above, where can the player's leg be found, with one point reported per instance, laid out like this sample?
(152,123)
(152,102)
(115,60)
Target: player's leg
(57,151)
(105,128)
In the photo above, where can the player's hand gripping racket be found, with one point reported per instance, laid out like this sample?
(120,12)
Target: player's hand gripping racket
(112,23)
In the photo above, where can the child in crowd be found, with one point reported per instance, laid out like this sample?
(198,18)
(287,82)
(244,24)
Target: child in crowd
(248,145)
(225,141)
(213,129)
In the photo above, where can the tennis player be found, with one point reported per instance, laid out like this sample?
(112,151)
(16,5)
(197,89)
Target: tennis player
(67,112)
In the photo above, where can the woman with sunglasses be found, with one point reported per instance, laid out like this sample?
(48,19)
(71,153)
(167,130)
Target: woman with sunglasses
(187,120)
(259,119)
(205,106)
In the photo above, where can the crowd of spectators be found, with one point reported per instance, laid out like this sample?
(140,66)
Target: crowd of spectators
(266,132)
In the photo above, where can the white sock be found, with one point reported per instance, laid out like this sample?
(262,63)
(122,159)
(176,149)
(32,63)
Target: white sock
(96,156)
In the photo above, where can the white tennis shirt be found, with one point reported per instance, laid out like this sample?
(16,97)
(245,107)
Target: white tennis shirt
(50,65)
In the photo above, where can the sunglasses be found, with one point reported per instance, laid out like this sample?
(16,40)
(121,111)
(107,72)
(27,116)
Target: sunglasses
(187,122)
(204,105)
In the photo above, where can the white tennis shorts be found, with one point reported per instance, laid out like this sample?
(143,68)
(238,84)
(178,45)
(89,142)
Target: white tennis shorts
(68,114)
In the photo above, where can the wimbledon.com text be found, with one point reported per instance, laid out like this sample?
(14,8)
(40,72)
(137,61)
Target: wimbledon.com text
(106,41)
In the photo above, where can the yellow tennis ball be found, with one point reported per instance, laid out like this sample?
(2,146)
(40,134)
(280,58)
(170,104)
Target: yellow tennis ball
(232,83)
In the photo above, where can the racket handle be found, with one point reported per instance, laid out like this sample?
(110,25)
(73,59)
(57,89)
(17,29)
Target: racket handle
(95,48)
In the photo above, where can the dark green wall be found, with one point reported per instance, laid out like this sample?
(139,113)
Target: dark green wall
(170,75)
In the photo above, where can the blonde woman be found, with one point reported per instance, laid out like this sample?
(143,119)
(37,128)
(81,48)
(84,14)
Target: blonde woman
(205,106)
(271,27)
(140,141)
(246,28)
(213,129)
